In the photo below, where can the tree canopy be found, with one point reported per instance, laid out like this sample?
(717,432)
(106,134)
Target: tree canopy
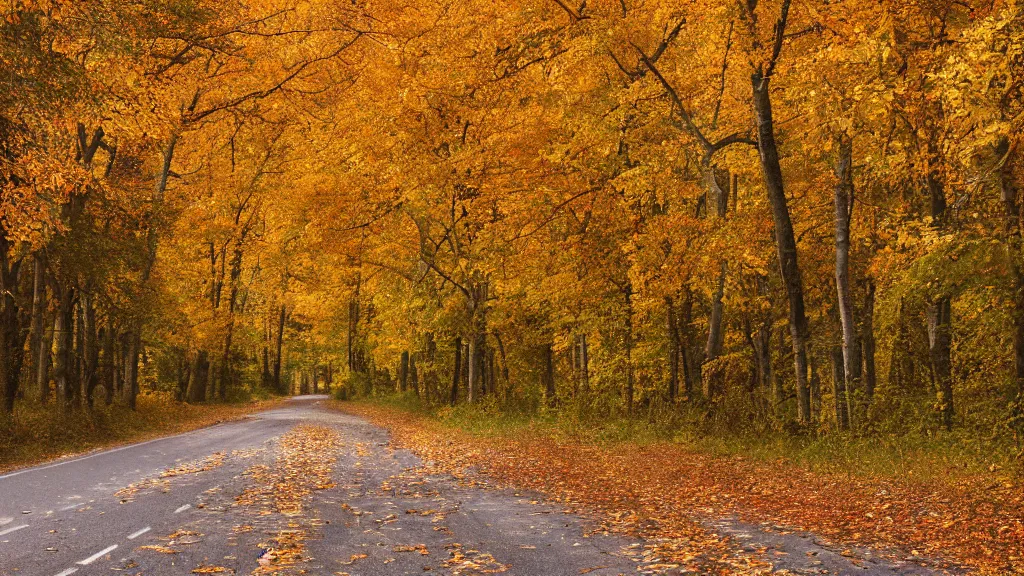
(761,214)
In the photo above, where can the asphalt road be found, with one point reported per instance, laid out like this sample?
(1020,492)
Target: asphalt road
(373,511)
(380,517)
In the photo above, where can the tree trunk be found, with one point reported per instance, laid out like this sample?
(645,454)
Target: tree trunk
(490,372)
(815,385)
(403,371)
(277,351)
(850,345)
(473,372)
(39,365)
(456,371)
(196,391)
(938,314)
(63,330)
(778,385)
(548,375)
(109,363)
(504,362)
(1013,230)
(867,340)
(131,368)
(673,350)
(712,378)
(584,365)
(353,324)
(42,361)
(785,240)
(691,369)
(12,355)
(91,350)
(718,197)
(629,348)
(414,377)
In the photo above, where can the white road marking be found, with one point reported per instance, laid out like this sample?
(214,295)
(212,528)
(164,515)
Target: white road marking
(135,535)
(68,572)
(182,508)
(69,507)
(6,520)
(97,555)
(12,529)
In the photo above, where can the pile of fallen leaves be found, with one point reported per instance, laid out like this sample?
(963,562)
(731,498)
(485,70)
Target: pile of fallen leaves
(664,491)
(306,459)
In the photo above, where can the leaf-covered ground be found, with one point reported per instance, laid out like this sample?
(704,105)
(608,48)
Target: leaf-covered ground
(671,495)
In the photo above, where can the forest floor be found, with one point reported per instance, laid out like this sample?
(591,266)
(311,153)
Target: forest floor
(702,511)
(35,434)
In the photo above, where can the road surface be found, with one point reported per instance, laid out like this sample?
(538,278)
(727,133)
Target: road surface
(305,489)
(187,502)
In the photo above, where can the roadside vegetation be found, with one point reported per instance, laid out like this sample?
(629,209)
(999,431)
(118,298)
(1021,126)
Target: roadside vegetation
(923,457)
(929,502)
(34,434)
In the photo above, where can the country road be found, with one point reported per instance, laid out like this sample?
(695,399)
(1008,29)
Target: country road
(118,510)
(306,489)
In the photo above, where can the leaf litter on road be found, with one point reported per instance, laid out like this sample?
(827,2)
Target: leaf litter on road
(666,493)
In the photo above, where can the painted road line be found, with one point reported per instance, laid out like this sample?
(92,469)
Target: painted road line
(135,535)
(182,508)
(97,555)
(12,529)
(68,572)
(6,520)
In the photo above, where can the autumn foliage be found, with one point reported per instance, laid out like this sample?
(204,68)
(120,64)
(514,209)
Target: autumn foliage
(756,217)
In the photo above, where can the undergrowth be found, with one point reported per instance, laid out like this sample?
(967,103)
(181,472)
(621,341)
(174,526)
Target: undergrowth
(924,457)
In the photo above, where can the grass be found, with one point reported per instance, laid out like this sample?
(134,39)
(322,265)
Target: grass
(36,433)
(946,457)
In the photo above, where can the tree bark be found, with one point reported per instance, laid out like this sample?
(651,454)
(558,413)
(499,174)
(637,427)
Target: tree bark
(196,391)
(850,346)
(403,371)
(867,340)
(504,362)
(718,197)
(63,326)
(43,362)
(584,365)
(473,374)
(938,315)
(839,388)
(12,355)
(630,383)
(39,367)
(1014,230)
(778,385)
(414,376)
(548,375)
(456,371)
(90,348)
(109,363)
(131,368)
(277,351)
(785,240)
(673,349)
